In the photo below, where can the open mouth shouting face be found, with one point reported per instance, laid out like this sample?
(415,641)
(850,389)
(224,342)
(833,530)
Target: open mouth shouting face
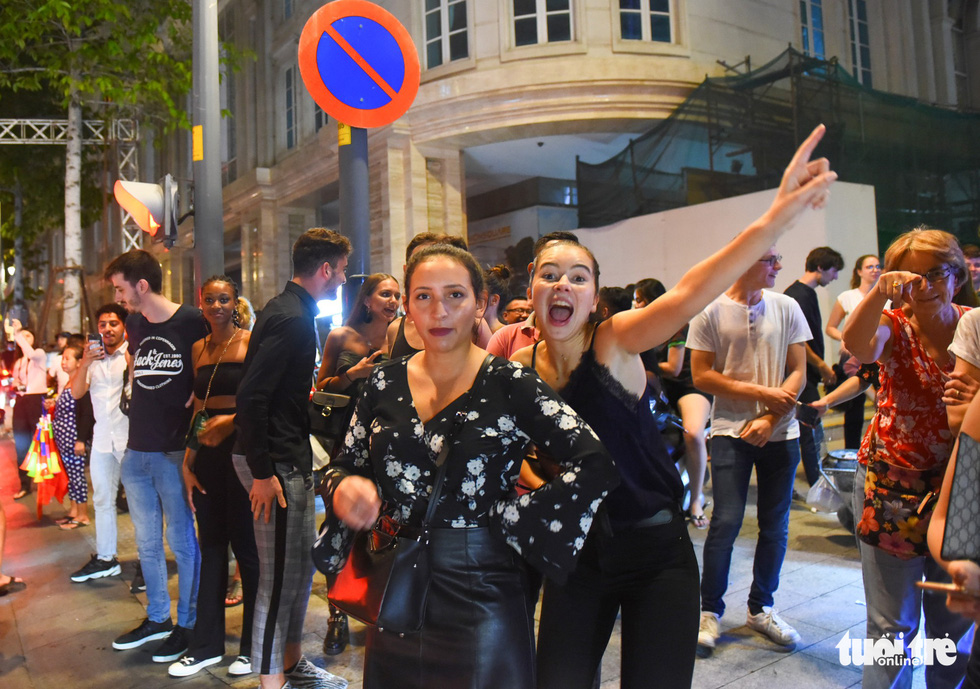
(564,291)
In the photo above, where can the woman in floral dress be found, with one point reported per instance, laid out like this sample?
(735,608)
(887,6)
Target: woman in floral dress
(476,632)
(906,449)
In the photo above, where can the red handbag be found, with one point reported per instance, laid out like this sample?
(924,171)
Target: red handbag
(386,578)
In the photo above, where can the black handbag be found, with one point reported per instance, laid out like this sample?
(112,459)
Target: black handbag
(385,581)
(330,415)
(961,538)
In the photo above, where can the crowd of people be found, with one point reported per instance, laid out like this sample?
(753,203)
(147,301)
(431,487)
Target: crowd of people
(538,409)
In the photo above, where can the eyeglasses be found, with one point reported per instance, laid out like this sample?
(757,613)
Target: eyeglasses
(937,274)
(772,260)
(519,309)
(872,267)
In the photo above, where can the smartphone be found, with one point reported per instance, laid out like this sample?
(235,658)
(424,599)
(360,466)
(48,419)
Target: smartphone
(942,587)
(807,415)
(97,339)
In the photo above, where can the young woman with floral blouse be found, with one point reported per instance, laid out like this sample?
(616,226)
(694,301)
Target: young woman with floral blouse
(476,631)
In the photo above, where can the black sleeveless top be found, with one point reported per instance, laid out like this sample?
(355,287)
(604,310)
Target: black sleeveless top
(345,360)
(225,382)
(400,346)
(625,425)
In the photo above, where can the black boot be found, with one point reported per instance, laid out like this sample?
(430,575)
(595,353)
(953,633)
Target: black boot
(338,634)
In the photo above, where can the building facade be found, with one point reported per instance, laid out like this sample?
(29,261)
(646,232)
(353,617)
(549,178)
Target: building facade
(512,91)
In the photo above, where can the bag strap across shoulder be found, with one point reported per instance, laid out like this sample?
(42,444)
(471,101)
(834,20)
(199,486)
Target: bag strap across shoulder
(441,463)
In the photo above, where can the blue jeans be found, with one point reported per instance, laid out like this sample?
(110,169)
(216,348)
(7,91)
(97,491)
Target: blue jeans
(811,439)
(732,461)
(155,490)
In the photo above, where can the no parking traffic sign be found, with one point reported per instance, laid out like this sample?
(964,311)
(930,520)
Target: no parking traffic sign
(359,63)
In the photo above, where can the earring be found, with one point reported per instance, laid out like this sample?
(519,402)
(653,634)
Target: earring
(236,319)
(367,313)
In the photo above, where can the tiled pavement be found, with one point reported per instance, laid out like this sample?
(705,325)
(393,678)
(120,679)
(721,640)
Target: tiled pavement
(57,634)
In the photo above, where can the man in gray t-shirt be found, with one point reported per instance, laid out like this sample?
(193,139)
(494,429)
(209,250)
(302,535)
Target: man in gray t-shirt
(747,349)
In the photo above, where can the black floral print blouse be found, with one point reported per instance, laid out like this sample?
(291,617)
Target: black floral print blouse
(508,408)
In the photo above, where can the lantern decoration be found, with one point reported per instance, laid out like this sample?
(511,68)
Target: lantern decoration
(43,465)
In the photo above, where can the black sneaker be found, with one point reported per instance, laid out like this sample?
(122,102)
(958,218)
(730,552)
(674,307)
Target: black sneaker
(174,646)
(146,632)
(139,584)
(96,569)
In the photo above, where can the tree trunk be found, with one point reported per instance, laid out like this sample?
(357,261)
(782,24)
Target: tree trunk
(71,318)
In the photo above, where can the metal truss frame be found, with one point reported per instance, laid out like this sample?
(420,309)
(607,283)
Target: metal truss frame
(123,134)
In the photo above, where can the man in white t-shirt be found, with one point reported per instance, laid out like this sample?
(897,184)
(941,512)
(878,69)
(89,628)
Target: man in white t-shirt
(747,349)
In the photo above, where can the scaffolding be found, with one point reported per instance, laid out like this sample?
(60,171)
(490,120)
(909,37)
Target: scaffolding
(734,135)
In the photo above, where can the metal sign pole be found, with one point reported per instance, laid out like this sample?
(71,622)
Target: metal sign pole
(209,229)
(355,216)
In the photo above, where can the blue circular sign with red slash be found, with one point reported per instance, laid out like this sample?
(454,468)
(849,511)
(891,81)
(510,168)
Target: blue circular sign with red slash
(359,63)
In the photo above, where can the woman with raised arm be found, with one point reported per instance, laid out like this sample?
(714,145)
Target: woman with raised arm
(639,559)
(214,492)
(906,448)
(476,633)
(72,418)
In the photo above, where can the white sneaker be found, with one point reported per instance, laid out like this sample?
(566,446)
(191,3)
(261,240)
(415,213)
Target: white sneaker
(187,666)
(306,675)
(708,634)
(772,625)
(241,666)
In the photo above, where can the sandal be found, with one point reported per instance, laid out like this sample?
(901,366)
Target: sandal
(234,595)
(698,521)
(20,494)
(63,520)
(71,525)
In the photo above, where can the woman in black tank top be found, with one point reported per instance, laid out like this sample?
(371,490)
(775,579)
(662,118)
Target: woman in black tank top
(220,502)
(349,355)
(351,351)
(638,560)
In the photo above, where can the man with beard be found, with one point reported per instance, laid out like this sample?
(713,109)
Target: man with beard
(102,373)
(273,458)
(160,334)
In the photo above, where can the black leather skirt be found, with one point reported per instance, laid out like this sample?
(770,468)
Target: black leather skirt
(476,633)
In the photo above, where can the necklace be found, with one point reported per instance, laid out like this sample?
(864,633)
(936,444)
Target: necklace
(209,343)
(220,357)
